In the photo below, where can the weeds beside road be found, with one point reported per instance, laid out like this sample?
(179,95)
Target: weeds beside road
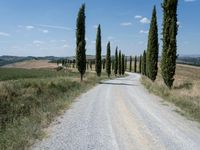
(31,101)
(185,93)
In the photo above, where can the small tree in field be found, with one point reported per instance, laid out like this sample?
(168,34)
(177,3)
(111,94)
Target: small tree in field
(120,63)
(98,52)
(108,60)
(116,62)
(135,64)
(80,42)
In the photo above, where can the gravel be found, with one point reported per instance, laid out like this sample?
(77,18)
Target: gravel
(121,115)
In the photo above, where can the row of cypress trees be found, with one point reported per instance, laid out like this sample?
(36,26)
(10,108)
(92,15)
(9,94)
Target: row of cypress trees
(169,52)
(119,65)
(149,61)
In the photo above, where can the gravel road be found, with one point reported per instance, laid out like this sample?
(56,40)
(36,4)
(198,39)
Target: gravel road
(121,115)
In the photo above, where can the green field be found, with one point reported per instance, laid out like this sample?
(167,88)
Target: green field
(30,100)
(17,73)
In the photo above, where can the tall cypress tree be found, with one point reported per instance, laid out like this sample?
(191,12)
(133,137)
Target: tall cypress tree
(135,64)
(130,65)
(113,64)
(120,63)
(153,48)
(104,64)
(144,63)
(140,64)
(98,52)
(170,30)
(116,61)
(108,60)
(123,64)
(80,42)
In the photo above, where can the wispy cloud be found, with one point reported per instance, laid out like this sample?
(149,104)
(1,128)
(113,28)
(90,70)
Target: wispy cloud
(37,42)
(126,24)
(110,38)
(65,46)
(144,31)
(4,34)
(145,20)
(95,26)
(55,27)
(189,0)
(138,17)
(45,31)
(30,27)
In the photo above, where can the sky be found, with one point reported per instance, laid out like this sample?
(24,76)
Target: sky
(47,27)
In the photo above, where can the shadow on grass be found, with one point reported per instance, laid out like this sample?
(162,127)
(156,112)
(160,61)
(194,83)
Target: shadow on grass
(186,85)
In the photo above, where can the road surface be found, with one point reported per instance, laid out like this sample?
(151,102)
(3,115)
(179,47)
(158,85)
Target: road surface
(121,115)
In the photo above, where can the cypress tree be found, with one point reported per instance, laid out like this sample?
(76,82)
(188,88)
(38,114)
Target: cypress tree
(98,52)
(144,63)
(103,64)
(120,63)
(140,64)
(113,65)
(108,60)
(116,61)
(153,48)
(130,65)
(90,65)
(123,64)
(80,42)
(170,30)
(135,64)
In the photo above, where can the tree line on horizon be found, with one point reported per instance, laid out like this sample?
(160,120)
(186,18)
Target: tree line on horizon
(148,61)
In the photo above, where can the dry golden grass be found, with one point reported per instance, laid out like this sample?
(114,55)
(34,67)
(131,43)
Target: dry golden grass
(186,90)
(32,64)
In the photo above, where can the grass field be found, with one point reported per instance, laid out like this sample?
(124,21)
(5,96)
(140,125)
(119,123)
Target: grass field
(30,100)
(185,93)
(19,73)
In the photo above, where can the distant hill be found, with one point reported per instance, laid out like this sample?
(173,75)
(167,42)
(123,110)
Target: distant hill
(5,60)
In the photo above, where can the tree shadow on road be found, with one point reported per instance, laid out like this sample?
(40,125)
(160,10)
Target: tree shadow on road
(113,83)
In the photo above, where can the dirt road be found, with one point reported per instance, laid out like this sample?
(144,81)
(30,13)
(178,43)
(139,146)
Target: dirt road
(121,115)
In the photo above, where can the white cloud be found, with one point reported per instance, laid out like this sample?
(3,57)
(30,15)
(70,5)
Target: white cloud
(55,27)
(189,0)
(138,17)
(145,20)
(93,42)
(65,46)
(30,27)
(95,26)
(45,31)
(37,42)
(126,24)
(4,34)
(144,31)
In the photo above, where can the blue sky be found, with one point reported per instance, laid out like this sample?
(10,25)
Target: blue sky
(47,27)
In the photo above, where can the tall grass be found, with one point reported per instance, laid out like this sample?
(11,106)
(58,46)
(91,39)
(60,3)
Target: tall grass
(29,105)
(185,93)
